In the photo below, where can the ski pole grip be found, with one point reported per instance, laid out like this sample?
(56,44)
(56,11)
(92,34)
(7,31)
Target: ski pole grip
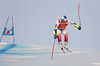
(55,33)
(76,25)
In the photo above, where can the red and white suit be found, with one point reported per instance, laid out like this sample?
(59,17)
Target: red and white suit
(61,29)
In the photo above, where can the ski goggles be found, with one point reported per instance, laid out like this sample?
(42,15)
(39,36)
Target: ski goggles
(63,21)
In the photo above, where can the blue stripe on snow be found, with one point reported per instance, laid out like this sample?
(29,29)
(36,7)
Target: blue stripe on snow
(7,47)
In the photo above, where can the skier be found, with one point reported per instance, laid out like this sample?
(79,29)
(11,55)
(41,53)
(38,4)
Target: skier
(60,28)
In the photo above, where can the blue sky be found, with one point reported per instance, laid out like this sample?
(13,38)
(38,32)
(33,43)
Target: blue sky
(34,21)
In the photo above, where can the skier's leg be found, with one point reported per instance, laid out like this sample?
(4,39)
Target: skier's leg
(65,35)
(59,40)
(65,38)
(59,35)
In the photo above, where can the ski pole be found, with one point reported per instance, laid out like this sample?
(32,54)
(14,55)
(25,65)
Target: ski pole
(79,14)
(53,50)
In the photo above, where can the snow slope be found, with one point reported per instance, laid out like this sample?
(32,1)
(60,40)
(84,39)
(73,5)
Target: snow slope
(30,55)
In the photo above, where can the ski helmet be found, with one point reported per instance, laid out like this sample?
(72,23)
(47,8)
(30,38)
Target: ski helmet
(63,18)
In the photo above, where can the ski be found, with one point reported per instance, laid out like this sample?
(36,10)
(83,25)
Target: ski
(63,51)
(68,49)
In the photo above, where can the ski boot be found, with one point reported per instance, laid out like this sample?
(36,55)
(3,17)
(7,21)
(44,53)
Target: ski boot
(60,45)
(66,46)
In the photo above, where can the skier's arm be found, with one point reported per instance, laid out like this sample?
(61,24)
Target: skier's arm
(79,28)
(55,30)
(56,25)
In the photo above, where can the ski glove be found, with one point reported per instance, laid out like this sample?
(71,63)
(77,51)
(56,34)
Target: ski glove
(79,27)
(55,33)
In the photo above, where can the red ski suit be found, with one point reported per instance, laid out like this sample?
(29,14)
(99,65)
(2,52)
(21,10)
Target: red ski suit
(61,29)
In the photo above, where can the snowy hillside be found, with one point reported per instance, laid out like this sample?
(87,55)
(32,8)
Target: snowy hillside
(29,55)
